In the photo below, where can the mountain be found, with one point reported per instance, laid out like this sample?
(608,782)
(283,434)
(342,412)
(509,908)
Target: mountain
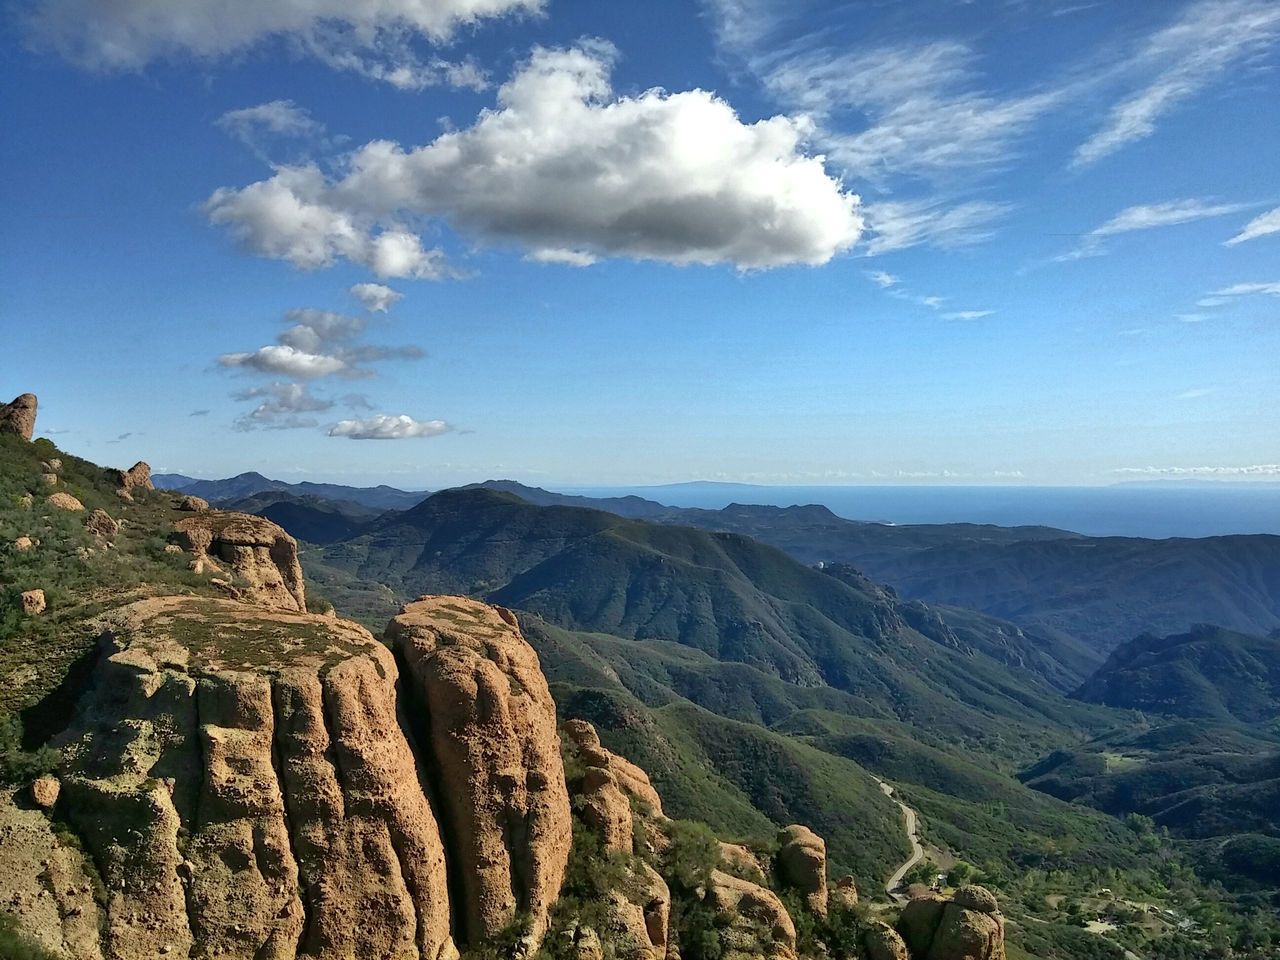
(247,484)
(1208,673)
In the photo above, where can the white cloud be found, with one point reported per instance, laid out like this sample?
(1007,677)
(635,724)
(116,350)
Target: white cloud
(1260,226)
(1253,470)
(1146,217)
(1180,61)
(1220,297)
(884,280)
(315,330)
(1195,394)
(280,407)
(376,297)
(897,225)
(275,119)
(967,315)
(569,172)
(285,361)
(371,37)
(388,427)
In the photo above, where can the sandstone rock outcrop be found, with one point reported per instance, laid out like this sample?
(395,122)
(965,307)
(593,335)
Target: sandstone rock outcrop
(882,942)
(23,543)
(645,918)
(101,524)
(64,501)
(628,776)
(802,864)
(33,602)
(492,728)
(19,416)
(193,504)
(844,894)
(244,782)
(966,927)
(742,861)
(753,904)
(137,477)
(259,552)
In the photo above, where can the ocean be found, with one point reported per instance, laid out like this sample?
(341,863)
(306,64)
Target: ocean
(1124,510)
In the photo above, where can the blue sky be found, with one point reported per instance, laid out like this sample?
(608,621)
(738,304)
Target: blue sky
(427,242)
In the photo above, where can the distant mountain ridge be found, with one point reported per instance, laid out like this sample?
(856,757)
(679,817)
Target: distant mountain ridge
(244,485)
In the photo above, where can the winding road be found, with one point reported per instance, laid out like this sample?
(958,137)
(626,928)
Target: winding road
(917,851)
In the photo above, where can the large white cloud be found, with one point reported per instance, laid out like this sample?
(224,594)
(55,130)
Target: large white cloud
(371,37)
(568,172)
(385,426)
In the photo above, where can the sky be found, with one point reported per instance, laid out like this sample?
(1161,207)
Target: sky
(429,242)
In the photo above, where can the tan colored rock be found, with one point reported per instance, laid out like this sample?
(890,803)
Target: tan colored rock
(802,864)
(23,544)
(256,550)
(743,861)
(44,792)
(33,602)
(26,500)
(646,915)
(137,477)
(52,465)
(967,927)
(844,894)
(494,742)
(754,904)
(272,743)
(882,942)
(19,416)
(193,504)
(606,808)
(50,478)
(64,501)
(629,776)
(172,548)
(101,525)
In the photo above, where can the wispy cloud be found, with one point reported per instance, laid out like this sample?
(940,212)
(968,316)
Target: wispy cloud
(1260,226)
(898,225)
(967,314)
(882,279)
(1220,298)
(1146,217)
(1195,393)
(1178,62)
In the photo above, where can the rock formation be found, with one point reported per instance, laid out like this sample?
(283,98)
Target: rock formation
(101,524)
(608,785)
(23,543)
(645,918)
(752,903)
(844,894)
(19,416)
(64,501)
(882,942)
(259,552)
(802,864)
(243,781)
(137,477)
(33,602)
(44,792)
(193,504)
(492,728)
(966,927)
(628,776)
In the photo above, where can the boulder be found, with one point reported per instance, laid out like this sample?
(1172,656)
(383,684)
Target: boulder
(882,942)
(193,504)
(257,551)
(966,927)
(33,602)
(19,416)
(802,864)
(137,477)
(844,894)
(23,543)
(64,501)
(742,860)
(101,525)
(754,904)
(44,792)
(494,745)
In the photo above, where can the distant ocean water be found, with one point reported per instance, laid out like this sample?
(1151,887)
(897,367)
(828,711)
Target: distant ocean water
(1127,510)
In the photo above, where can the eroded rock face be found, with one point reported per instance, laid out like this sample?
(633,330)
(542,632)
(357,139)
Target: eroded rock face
(627,775)
(645,917)
(967,927)
(256,550)
(802,864)
(497,754)
(137,477)
(844,894)
(19,416)
(882,942)
(101,524)
(244,782)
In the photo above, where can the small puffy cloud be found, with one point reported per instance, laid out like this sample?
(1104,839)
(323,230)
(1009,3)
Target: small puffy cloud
(386,426)
(569,172)
(283,360)
(280,407)
(370,37)
(1260,226)
(1178,62)
(376,297)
